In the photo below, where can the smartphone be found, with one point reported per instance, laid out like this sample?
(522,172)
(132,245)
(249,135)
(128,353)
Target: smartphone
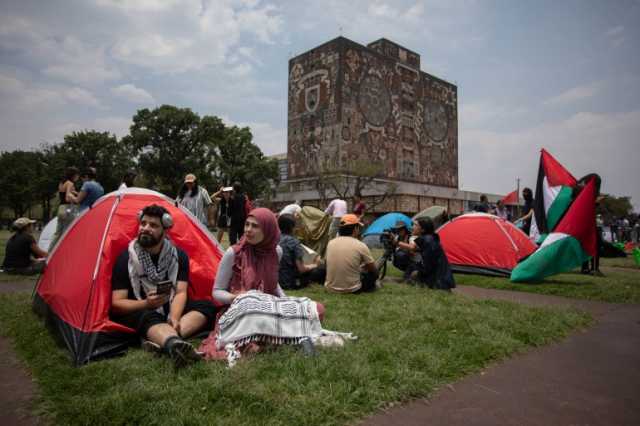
(164,287)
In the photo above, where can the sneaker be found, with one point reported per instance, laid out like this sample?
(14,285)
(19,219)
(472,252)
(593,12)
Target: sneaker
(183,354)
(151,347)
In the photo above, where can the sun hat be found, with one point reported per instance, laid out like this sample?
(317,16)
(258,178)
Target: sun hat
(350,219)
(22,222)
(190,178)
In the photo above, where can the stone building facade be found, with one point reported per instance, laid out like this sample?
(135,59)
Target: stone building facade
(350,102)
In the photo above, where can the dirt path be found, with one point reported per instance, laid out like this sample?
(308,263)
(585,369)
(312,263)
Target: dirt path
(590,378)
(17,389)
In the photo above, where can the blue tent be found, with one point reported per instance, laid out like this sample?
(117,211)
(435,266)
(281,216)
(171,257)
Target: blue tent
(385,222)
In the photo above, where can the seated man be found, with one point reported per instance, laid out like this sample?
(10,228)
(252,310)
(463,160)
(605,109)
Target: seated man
(22,255)
(149,290)
(350,266)
(293,273)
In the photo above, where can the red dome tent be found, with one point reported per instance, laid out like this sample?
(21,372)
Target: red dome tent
(484,244)
(74,292)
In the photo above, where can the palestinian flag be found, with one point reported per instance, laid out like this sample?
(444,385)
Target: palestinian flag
(553,195)
(511,199)
(571,243)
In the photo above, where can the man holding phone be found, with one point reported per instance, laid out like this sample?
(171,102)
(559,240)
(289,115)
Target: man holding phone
(149,290)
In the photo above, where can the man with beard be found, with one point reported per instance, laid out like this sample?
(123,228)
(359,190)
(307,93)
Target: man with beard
(149,291)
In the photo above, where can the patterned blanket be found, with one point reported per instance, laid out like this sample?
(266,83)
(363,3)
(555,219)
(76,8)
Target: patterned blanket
(259,317)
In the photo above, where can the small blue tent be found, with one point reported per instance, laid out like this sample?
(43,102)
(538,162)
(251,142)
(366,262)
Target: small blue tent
(385,222)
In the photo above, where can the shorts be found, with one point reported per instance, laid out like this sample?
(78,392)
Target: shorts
(142,321)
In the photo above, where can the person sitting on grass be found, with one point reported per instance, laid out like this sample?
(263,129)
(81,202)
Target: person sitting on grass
(22,255)
(149,290)
(404,259)
(433,270)
(251,264)
(350,266)
(293,272)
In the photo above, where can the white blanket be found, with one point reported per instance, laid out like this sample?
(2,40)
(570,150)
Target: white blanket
(260,317)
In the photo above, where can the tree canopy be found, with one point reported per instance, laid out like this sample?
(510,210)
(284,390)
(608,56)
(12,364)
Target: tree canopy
(163,145)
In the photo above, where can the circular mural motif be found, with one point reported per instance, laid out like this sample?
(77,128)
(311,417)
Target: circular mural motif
(374,100)
(436,120)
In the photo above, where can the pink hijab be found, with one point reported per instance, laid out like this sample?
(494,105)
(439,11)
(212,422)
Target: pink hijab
(255,267)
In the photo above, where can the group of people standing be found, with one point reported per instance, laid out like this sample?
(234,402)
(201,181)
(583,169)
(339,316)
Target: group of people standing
(226,209)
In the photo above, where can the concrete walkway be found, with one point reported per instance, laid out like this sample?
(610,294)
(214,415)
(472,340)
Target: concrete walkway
(590,378)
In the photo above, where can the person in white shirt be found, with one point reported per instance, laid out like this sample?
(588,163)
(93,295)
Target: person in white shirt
(336,208)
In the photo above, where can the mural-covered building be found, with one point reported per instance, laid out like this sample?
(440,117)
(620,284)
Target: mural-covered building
(348,101)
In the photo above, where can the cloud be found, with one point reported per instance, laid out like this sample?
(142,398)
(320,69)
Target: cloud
(483,114)
(615,31)
(81,96)
(62,57)
(603,143)
(133,94)
(271,140)
(573,95)
(192,35)
(116,125)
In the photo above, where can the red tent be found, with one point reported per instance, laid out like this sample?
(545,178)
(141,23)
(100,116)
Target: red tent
(483,243)
(74,292)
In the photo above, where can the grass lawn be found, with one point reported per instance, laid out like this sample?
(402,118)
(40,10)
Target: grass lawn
(621,283)
(411,341)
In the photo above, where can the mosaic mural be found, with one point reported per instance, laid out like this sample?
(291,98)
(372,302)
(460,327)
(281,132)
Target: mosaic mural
(351,102)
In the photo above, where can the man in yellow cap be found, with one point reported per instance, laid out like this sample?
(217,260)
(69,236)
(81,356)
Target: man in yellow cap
(22,255)
(350,266)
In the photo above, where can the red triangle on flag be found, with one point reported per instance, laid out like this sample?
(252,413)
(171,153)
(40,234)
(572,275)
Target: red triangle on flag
(554,171)
(580,219)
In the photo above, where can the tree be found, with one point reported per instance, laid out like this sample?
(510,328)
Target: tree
(614,207)
(170,142)
(89,148)
(354,177)
(18,173)
(237,158)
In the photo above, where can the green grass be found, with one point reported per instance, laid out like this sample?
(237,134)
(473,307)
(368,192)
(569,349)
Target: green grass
(411,341)
(621,283)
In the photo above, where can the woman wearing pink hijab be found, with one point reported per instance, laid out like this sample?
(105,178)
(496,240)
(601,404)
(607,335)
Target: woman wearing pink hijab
(251,264)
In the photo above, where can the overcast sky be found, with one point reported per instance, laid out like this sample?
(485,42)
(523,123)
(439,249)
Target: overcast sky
(563,75)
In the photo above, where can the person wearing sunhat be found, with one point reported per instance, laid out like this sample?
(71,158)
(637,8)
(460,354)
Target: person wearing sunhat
(22,254)
(196,199)
(350,266)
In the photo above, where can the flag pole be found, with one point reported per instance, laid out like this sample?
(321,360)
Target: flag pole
(518,196)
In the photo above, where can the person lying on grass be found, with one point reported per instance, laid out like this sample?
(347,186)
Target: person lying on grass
(433,270)
(149,291)
(251,264)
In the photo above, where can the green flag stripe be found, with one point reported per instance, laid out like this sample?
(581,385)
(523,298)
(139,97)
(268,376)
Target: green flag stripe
(561,255)
(558,207)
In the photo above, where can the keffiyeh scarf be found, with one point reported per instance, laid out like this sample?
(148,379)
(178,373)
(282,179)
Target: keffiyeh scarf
(145,275)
